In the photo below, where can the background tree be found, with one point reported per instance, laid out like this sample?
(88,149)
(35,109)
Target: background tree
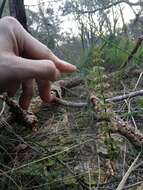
(44,24)
(17,10)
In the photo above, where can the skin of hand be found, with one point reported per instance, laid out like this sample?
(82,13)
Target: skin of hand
(22,59)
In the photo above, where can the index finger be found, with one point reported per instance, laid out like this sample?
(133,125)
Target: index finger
(33,49)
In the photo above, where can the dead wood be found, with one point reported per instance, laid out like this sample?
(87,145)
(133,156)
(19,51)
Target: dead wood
(127,174)
(134,51)
(126,96)
(20,115)
(122,127)
(58,90)
(27,117)
(71,83)
(126,130)
(69,103)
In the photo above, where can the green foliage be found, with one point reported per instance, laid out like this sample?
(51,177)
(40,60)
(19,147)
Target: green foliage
(140,102)
(112,146)
(97,80)
(110,53)
(98,83)
(44,25)
(104,53)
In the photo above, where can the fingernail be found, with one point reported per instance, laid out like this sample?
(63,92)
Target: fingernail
(77,70)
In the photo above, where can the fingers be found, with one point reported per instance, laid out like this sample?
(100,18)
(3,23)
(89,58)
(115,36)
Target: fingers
(41,69)
(40,51)
(19,69)
(16,69)
(31,48)
(44,88)
(27,93)
(65,67)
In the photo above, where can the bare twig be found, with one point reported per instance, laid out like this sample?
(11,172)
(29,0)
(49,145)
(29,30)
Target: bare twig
(85,104)
(71,83)
(3,108)
(140,76)
(57,90)
(21,115)
(122,127)
(133,185)
(124,179)
(125,129)
(139,3)
(137,45)
(126,96)
(70,103)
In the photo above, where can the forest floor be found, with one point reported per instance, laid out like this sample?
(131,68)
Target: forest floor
(69,150)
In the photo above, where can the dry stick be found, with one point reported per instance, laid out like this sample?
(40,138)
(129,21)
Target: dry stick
(29,118)
(123,97)
(70,103)
(137,45)
(3,108)
(71,83)
(112,99)
(21,115)
(57,90)
(122,127)
(133,185)
(128,101)
(68,84)
(131,168)
(126,130)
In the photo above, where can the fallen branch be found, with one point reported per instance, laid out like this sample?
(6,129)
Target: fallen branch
(57,89)
(126,130)
(134,51)
(70,83)
(26,117)
(69,103)
(125,177)
(126,96)
(112,99)
(121,127)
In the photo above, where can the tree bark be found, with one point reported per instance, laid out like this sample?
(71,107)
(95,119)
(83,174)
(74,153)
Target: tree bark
(2,7)
(17,10)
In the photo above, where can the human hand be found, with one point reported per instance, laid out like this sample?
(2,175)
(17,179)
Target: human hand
(22,59)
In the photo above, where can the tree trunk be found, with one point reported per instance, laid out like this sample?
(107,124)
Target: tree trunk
(17,10)
(2,7)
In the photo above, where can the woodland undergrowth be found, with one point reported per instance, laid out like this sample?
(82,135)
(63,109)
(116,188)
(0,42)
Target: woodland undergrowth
(74,148)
